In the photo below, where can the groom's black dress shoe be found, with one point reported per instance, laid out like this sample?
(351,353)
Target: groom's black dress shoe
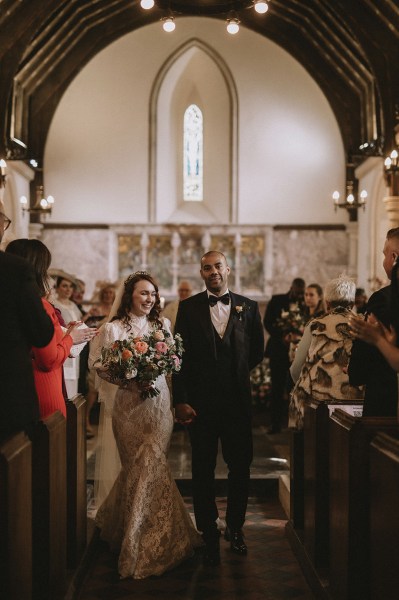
(236,540)
(212,553)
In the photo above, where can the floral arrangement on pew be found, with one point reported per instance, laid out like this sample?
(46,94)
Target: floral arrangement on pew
(142,359)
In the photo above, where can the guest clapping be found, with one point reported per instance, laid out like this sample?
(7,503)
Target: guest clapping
(47,361)
(23,322)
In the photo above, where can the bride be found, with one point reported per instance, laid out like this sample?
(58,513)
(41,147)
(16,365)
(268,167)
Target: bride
(143,517)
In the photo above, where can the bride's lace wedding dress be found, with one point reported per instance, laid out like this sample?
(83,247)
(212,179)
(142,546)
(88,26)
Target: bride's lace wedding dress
(144,517)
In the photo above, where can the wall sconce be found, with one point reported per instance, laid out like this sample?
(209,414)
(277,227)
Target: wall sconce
(353,199)
(391,172)
(168,24)
(42,205)
(233,24)
(3,173)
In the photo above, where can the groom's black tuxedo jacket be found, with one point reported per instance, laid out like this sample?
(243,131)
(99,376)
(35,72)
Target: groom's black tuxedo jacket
(196,384)
(24,323)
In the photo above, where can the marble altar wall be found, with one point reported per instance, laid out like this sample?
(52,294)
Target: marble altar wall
(263,259)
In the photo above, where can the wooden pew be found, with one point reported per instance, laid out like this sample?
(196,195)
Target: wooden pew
(76,480)
(297,481)
(16,518)
(316,483)
(49,508)
(317,477)
(384,517)
(350,439)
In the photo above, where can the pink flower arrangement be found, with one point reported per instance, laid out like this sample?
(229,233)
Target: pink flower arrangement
(142,359)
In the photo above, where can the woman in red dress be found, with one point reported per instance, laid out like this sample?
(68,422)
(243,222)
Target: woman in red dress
(47,362)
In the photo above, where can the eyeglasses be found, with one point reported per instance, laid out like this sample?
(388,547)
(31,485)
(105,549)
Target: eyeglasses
(6,221)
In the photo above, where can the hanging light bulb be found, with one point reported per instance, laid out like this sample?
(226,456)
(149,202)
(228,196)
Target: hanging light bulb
(168,24)
(147,4)
(233,26)
(261,6)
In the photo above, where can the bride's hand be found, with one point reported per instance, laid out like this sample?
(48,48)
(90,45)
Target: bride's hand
(184,414)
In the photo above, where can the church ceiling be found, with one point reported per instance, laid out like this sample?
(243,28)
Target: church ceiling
(350,48)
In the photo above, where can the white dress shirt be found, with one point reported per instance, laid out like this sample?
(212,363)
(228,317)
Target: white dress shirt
(220,314)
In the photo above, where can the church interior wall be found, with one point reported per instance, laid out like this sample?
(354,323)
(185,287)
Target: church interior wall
(290,152)
(287,145)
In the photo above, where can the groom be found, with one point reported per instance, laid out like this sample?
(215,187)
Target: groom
(223,340)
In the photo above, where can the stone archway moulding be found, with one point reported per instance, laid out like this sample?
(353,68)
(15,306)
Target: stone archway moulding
(233,95)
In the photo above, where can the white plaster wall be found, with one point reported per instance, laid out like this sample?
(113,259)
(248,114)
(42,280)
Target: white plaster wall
(290,152)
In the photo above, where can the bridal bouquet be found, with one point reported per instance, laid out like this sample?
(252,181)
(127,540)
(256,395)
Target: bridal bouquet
(143,359)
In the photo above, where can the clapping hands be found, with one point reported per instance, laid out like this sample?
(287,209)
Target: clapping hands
(371,331)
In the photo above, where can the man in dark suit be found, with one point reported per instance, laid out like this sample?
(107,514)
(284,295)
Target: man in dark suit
(277,348)
(367,366)
(24,323)
(223,340)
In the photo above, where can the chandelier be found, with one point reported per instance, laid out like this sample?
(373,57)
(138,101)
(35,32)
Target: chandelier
(353,199)
(201,7)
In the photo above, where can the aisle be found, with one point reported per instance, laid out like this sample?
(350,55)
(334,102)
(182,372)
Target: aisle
(269,572)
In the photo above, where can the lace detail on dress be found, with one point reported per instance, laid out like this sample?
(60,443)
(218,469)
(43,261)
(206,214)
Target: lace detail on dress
(144,517)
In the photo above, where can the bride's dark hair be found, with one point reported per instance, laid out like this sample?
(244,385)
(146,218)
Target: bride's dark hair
(125,307)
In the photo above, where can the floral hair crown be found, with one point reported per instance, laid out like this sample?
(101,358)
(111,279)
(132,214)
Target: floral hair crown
(135,274)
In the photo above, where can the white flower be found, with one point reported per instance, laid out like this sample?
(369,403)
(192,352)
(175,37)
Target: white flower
(131,374)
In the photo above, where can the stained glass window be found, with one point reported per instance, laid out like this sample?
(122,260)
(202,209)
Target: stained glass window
(193,154)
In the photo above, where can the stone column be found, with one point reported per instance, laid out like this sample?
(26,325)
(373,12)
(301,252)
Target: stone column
(237,244)
(175,243)
(392,208)
(35,231)
(352,232)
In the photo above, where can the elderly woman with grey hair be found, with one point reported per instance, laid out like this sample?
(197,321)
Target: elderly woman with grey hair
(319,368)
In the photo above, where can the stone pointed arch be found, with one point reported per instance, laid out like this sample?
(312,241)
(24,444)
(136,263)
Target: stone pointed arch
(233,120)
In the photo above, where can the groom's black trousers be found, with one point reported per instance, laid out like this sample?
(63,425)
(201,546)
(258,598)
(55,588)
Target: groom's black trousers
(231,424)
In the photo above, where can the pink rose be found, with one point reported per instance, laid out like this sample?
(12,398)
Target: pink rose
(141,347)
(176,360)
(161,347)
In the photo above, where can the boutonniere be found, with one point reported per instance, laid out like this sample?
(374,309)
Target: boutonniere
(240,309)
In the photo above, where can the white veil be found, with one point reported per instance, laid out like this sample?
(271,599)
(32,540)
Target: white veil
(107,462)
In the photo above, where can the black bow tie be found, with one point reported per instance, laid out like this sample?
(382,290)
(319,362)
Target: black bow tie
(215,299)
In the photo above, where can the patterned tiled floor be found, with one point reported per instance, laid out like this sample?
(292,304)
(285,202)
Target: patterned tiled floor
(269,572)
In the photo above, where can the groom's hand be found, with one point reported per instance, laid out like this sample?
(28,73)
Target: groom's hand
(184,414)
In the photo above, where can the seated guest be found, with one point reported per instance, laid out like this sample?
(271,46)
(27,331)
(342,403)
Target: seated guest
(48,360)
(24,323)
(319,368)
